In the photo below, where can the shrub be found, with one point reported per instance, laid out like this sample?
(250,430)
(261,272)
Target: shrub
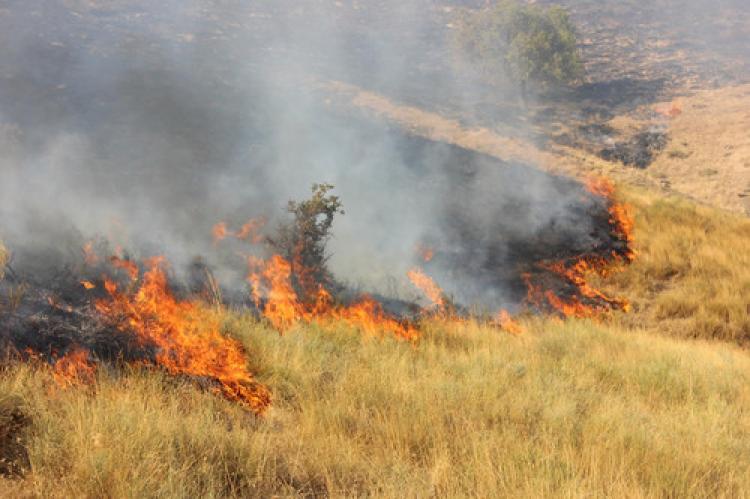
(302,240)
(527,44)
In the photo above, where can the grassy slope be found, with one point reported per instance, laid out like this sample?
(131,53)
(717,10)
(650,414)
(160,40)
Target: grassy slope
(575,409)
(566,409)
(692,276)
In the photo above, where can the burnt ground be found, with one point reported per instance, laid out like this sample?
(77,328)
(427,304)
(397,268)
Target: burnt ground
(635,56)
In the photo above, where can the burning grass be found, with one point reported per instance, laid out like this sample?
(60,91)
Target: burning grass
(692,275)
(568,407)
(565,409)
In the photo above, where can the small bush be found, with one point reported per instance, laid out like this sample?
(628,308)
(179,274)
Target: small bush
(302,240)
(524,43)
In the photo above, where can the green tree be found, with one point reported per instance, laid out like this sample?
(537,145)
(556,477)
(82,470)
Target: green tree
(302,240)
(528,44)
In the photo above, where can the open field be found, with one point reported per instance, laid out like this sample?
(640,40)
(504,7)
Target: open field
(168,329)
(567,408)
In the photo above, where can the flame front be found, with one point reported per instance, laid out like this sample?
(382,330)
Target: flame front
(186,336)
(274,295)
(74,368)
(577,271)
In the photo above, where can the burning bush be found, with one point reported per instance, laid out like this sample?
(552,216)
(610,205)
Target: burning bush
(526,43)
(302,240)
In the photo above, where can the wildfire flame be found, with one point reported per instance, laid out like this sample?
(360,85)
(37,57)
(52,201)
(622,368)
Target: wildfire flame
(507,323)
(74,368)
(129,266)
(428,286)
(251,231)
(577,271)
(187,336)
(273,293)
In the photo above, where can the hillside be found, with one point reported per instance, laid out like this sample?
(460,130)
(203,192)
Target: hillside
(613,408)
(565,409)
(339,248)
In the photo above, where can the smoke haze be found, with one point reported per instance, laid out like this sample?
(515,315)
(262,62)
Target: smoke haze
(146,125)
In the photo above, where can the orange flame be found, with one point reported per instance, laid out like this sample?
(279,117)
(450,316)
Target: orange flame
(186,335)
(129,266)
(600,186)
(507,323)
(219,232)
(273,280)
(577,272)
(621,219)
(88,285)
(428,286)
(251,230)
(74,368)
(248,232)
(425,253)
(273,293)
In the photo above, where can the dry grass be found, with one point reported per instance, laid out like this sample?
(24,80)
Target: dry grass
(708,157)
(692,276)
(566,410)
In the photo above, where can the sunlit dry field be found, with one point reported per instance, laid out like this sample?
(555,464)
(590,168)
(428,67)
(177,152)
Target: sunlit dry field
(566,409)
(318,248)
(563,408)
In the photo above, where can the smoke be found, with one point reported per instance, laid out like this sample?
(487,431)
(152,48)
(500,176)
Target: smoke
(147,123)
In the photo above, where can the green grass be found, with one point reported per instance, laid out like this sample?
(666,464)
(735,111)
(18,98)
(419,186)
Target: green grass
(567,409)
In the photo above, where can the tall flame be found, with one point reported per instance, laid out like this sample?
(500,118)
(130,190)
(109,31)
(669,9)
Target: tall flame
(428,286)
(186,335)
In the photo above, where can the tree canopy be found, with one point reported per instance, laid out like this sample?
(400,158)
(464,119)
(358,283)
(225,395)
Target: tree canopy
(524,43)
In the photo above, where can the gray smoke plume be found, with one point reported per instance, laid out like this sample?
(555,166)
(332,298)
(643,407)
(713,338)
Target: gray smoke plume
(146,123)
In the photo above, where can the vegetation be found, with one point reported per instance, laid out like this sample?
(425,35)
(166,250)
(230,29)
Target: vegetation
(302,240)
(525,43)
(692,275)
(568,409)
